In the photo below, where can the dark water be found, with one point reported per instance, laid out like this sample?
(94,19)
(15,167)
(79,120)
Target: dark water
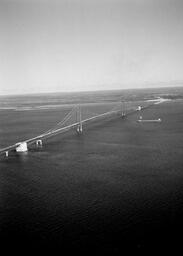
(116,187)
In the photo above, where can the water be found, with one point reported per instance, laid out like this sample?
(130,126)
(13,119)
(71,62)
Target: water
(117,186)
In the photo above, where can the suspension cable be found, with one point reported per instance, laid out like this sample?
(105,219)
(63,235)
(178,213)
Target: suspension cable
(66,118)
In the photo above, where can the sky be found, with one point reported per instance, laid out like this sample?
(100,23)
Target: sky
(78,45)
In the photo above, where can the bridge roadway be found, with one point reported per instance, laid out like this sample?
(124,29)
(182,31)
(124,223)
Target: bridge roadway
(64,129)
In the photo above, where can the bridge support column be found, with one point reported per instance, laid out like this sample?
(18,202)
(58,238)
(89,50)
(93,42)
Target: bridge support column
(39,143)
(6,153)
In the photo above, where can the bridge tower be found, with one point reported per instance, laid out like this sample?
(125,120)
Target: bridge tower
(122,108)
(79,120)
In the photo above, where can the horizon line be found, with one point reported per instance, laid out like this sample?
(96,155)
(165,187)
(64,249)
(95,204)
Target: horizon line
(180,84)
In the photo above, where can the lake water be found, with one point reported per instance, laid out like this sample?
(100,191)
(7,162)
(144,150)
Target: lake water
(117,186)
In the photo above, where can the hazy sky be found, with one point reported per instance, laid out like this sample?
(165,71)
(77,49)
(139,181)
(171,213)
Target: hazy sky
(66,45)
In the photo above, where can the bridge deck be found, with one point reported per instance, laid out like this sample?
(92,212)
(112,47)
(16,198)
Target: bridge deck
(66,128)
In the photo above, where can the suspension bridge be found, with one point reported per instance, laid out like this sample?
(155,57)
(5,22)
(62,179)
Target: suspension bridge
(75,119)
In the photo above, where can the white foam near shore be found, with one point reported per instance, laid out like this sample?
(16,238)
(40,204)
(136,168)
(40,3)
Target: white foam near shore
(150,120)
(158,100)
(161,100)
(7,108)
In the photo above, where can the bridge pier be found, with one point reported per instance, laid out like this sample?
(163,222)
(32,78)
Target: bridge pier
(6,153)
(79,128)
(139,108)
(39,143)
(21,147)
